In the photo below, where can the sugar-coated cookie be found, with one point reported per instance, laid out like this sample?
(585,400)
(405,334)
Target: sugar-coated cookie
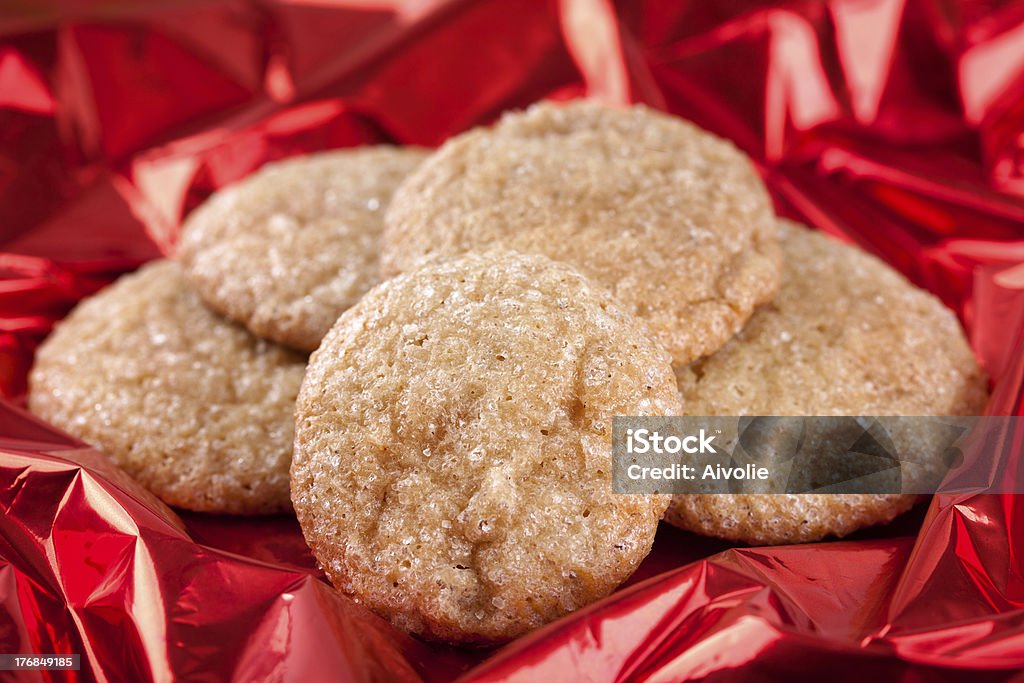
(289,248)
(846,335)
(194,407)
(673,220)
(452,464)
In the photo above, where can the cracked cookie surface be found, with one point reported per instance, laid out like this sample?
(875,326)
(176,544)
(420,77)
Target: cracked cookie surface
(452,461)
(673,220)
(287,249)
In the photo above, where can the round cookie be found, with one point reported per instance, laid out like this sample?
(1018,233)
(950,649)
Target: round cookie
(846,335)
(194,407)
(289,248)
(673,220)
(452,463)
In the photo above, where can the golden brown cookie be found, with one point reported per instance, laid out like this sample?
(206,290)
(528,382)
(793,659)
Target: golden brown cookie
(452,461)
(286,250)
(846,335)
(194,407)
(673,220)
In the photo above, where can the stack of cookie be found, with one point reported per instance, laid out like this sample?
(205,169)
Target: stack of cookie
(197,408)
(450,452)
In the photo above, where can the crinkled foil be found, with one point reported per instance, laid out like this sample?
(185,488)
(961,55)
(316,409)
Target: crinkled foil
(895,124)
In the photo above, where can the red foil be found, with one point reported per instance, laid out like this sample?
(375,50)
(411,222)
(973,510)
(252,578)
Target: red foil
(895,124)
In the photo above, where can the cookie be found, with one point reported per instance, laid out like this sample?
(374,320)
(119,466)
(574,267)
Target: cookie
(194,407)
(289,248)
(671,219)
(452,464)
(846,335)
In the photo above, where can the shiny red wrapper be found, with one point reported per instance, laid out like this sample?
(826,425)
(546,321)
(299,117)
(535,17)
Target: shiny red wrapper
(894,124)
